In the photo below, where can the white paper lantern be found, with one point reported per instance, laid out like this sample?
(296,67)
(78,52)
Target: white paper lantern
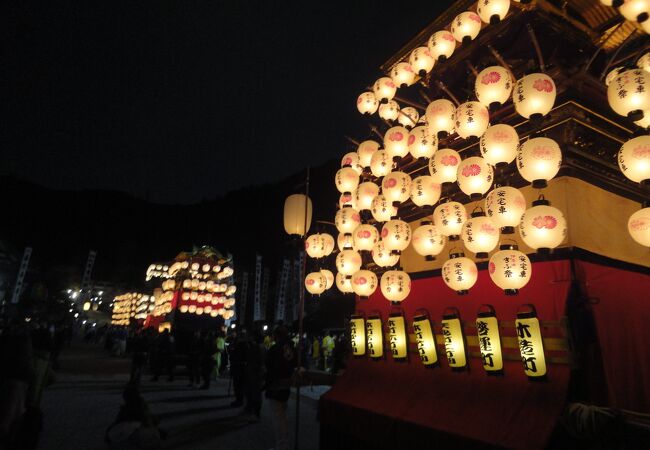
(629,95)
(351,159)
(427,241)
(466,26)
(534,95)
(542,226)
(328,243)
(347,220)
(493,86)
(381,163)
(539,160)
(459,273)
(480,235)
(396,187)
(315,283)
(345,241)
(644,62)
(441,116)
(492,11)
(634,159)
(365,151)
(329,278)
(421,60)
(382,209)
(510,269)
(425,191)
(384,89)
(441,45)
(499,144)
(364,195)
(365,237)
(348,262)
(315,246)
(343,283)
(471,119)
(346,199)
(612,74)
(364,283)
(396,235)
(475,177)
(382,256)
(422,142)
(639,226)
(505,206)
(408,117)
(396,141)
(389,110)
(346,179)
(395,285)
(443,166)
(402,74)
(449,218)
(635,10)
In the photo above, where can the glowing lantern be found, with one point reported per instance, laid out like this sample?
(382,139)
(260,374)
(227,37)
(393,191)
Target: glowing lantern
(505,206)
(639,226)
(449,218)
(421,60)
(408,117)
(440,116)
(375,337)
(635,10)
(427,241)
(543,227)
(466,26)
(183,308)
(365,237)
(475,177)
(499,144)
(534,95)
(396,141)
(396,187)
(510,269)
(364,283)
(644,62)
(343,283)
(396,235)
(185,296)
(402,74)
(351,159)
(319,245)
(397,338)
(296,219)
(441,45)
(471,119)
(634,159)
(382,256)
(346,179)
(452,330)
(191,309)
(493,86)
(347,220)
(195,284)
(365,151)
(422,142)
(381,163)
(367,103)
(315,283)
(384,89)
(489,341)
(389,110)
(395,285)
(195,267)
(425,191)
(480,235)
(365,194)
(348,262)
(86,306)
(345,241)
(459,273)
(194,295)
(539,160)
(628,95)
(382,210)
(205,267)
(329,278)
(346,199)
(425,339)
(199,311)
(613,74)
(358,335)
(443,165)
(531,347)
(494,11)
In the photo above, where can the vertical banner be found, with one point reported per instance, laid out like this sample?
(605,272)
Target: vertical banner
(358,335)
(426,340)
(529,336)
(397,336)
(266,274)
(85,281)
(283,281)
(374,337)
(489,342)
(243,297)
(22,271)
(257,309)
(452,333)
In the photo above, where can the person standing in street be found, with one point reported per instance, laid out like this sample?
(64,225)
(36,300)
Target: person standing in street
(255,368)
(139,357)
(281,363)
(238,357)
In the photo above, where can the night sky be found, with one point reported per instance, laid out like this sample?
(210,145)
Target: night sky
(181,101)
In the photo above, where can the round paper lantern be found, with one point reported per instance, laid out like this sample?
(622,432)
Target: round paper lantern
(381,163)
(539,160)
(635,10)
(384,89)
(346,179)
(382,209)
(185,296)
(347,220)
(365,151)
(402,74)
(183,308)
(396,187)
(459,273)
(480,235)
(542,227)
(449,218)
(475,177)
(351,159)
(315,283)
(346,199)
(195,267)
(191,309)
(343,283)
(408,117)
(499,144)
(505,206)
(382,256)
(319,245)
(644,62)
(639,226)
(441,45)
(389,110)
(345,241)
(425,191)
(443,166)
(493,11)
(365,237)
(364,283)
(628,93)
(329,278)
(396,141)
(440,116)
(613,73)
(493,86)
(396,235)
(421,60)
(510,269)
(395,285)
(634,159)
(466,26)
(471,119)
(534,95)
(428,241)
(348,262)
(365,194)
(422,142)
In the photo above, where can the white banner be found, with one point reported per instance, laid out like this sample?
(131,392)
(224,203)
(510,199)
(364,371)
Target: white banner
(257,309)
(22,271)
(243,297)
(283,281)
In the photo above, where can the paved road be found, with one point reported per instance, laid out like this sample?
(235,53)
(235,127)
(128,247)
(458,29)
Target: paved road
(87,394)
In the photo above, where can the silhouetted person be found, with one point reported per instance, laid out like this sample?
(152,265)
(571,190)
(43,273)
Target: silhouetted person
(280,366)
(139,347)
(194,359)
(238,357)
(208,349)
(134,427)
(162,357)
(255,368)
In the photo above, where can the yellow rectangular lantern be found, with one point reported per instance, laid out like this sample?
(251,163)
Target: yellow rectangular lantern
(425,339)
(452,333)
(374,338)
(358,335)
(397,336)
(531,348)
(489,342)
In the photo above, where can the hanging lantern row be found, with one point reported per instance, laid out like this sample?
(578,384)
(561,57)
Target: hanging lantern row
(632,10)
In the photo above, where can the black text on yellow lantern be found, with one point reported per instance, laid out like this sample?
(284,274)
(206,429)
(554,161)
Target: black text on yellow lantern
(441,45)
(472,119)
(443,166)
(489,341)
(382,256)
(364,283)
(425,339)
(534,95)
(449,218)
(505,206)
(422,142)
(628,93)
(346,179)
(347,220)
(315,283)
(459,273)
(365,237)
(364,195)
(374,337)
(639,226)
(427,241)
(531,348)
(367,103)
(499,144)
(425,191)
(480,235)
(396,187)
(295,216)
(358,335)
(634,159)
(396,235)
(493,11)
(440,116)
(344,283)
(539,160)
(395,285)
(365,150)
(402,74)
(421,60)
(510,269)
(397,338)
(381,163)
(389,111)
(348,262)
(382,209)
(542,226)
(452,334)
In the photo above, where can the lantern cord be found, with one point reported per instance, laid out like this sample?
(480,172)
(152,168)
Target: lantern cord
(353,141)
(442,86)
(599,49)
(472,68)
(374,130)
(425,96)
(618,50)
(410,103)
(538,50)
(499,58)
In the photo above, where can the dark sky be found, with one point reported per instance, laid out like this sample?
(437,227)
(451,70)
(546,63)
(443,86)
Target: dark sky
(180,101)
